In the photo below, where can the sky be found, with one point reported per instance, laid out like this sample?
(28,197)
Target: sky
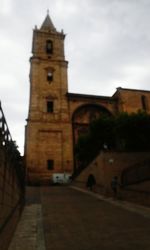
(107,45)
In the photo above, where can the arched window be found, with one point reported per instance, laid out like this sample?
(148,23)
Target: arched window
(49,76)
(49,47)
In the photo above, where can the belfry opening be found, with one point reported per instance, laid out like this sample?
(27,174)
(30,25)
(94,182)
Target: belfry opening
(56,117)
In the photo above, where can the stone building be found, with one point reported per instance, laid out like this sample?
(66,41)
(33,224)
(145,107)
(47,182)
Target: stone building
(56,117)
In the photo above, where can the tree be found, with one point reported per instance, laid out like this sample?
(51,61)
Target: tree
(124,132)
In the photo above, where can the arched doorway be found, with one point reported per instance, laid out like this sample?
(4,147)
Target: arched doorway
(81,119)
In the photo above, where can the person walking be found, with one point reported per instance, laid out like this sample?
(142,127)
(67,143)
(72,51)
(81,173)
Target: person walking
(114,186)
(91,182)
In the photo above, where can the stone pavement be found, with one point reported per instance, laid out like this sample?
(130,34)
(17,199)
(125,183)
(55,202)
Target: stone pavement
(63,218)
(29,230)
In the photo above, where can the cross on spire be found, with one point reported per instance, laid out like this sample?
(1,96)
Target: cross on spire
(48,24)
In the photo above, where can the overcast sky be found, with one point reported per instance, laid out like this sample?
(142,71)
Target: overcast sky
(107,46)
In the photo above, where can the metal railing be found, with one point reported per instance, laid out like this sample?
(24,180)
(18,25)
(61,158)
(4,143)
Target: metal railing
(12,177)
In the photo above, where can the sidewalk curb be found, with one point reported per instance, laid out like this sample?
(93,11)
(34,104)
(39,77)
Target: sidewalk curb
(29,233)
(139,209)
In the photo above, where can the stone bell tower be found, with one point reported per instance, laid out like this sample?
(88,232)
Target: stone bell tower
(48,142)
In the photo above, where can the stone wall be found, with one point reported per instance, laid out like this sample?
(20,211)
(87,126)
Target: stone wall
(11,184)
(107,165)
(48,140)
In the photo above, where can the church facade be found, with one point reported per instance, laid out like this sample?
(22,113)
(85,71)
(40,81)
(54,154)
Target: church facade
(56,118)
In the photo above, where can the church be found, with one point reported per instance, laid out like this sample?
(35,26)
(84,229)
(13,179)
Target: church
(56,118)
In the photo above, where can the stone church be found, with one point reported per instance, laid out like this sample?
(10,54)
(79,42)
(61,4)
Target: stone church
(56,118)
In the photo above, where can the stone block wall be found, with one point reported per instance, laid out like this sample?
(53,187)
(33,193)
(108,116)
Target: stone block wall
(107,165)
(11,184)
(11,199)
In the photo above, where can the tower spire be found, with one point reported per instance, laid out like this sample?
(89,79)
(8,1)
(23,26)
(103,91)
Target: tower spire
(48,24)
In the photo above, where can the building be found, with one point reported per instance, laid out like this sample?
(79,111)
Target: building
(56,118)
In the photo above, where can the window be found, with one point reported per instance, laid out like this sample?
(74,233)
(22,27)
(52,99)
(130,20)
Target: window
(50,106)
(49,47)
(50,164)
(49,76)
(144,104)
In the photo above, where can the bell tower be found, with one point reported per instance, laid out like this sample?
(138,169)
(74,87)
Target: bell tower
(48,140)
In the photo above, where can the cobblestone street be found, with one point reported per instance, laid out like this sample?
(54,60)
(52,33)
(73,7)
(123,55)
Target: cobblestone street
(61,218)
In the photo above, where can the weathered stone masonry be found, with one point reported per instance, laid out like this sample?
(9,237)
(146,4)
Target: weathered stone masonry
(56,117)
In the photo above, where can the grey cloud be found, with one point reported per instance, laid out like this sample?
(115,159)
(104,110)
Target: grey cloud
(107,45)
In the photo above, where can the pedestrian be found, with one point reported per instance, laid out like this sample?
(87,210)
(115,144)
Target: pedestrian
(114,186)
(91,182)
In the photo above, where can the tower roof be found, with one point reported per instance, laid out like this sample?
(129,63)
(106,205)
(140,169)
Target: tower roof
(47,24)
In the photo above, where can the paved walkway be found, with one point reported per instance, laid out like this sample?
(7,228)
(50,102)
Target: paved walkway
(62,218)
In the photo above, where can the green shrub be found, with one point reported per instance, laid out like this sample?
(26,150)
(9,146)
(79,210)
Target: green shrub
(124,132)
